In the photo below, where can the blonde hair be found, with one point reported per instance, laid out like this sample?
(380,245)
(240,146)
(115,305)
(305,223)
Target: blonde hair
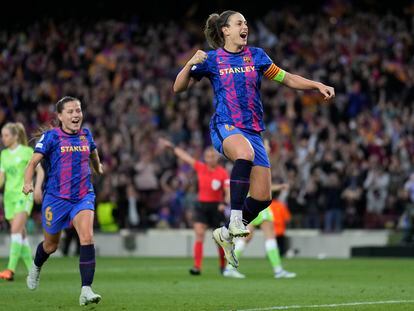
(17,129)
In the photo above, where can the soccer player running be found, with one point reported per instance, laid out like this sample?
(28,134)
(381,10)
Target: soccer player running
(68,193)
(265,221)
(213,195)
(17,206)
(235,71)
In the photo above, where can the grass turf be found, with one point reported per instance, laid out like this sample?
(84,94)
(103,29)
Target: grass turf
(165,284)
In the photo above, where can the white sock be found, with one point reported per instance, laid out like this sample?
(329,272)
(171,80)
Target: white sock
(225,233)
(240,245)
(17,237)
(236,213)
(25,241)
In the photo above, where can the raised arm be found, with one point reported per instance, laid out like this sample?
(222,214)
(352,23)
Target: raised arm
(301,83)
(179,152)
(96,162)
(29,173)
(184,80)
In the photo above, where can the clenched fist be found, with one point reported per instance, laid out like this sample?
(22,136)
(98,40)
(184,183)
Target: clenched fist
(199,57)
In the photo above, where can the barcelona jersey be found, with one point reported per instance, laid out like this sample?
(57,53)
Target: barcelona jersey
(68,175)
(236,80)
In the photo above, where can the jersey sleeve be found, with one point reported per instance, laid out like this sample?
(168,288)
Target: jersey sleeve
(88,134)
(270,70)
(198,165)
(44,144)
(200,70)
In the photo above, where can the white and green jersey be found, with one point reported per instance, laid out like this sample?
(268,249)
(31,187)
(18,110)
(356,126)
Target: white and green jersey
(13,164)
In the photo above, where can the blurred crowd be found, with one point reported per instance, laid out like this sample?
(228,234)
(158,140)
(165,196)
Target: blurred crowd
(349,163)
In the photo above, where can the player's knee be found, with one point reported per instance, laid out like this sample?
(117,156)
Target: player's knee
(50,247)
(86,239)
(245,155)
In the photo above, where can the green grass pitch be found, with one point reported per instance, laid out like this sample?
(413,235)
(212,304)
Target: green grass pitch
(165,284)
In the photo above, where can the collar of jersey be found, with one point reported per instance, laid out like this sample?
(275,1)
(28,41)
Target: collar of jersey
(70,134)
(233,52)
(15,149)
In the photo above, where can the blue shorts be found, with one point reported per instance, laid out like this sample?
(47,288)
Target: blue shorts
(57,213)
(220,132)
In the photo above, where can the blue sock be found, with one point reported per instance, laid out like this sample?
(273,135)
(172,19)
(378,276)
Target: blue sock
(252,208)
(41,256)
(87,264)
(240,183)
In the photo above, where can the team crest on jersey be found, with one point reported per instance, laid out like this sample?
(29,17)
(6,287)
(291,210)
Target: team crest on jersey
(247,59)
(82,138)
(229,127)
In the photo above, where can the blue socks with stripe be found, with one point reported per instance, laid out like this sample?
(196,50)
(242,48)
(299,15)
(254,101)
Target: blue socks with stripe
(240,183)
(41,256)
(87,264)
(252,208)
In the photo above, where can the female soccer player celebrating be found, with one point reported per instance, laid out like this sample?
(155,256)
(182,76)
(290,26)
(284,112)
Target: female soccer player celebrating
(17,206)
(235,71)
(68,194)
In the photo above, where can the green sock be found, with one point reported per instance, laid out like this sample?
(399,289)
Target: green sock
(15,250)
(273,254)
(26,254)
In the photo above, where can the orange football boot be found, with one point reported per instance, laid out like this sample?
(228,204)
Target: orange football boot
(7,275)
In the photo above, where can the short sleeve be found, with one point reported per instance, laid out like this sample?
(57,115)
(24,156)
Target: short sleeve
(263,60)
(44,144)
(88,134)
(199,71)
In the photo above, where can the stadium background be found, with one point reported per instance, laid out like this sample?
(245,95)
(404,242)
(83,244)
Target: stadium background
(121,57)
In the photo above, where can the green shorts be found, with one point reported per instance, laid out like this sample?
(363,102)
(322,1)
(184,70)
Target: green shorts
(15,203)
(266,214)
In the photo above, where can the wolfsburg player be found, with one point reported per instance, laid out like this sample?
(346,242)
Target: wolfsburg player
(235,71)
(17,206)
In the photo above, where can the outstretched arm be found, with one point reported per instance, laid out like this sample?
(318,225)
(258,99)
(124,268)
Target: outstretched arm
(297,82)
(301,83)
(179,152)
(184,80)
(28,174)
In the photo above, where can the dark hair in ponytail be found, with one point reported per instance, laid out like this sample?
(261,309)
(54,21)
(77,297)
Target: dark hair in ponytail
(213,32)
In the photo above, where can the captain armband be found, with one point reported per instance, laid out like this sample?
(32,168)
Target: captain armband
(275,73)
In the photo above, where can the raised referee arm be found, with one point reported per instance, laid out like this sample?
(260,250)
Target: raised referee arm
(179,152)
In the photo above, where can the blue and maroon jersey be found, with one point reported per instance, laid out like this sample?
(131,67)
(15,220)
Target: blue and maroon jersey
(236,80)
(67,162)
